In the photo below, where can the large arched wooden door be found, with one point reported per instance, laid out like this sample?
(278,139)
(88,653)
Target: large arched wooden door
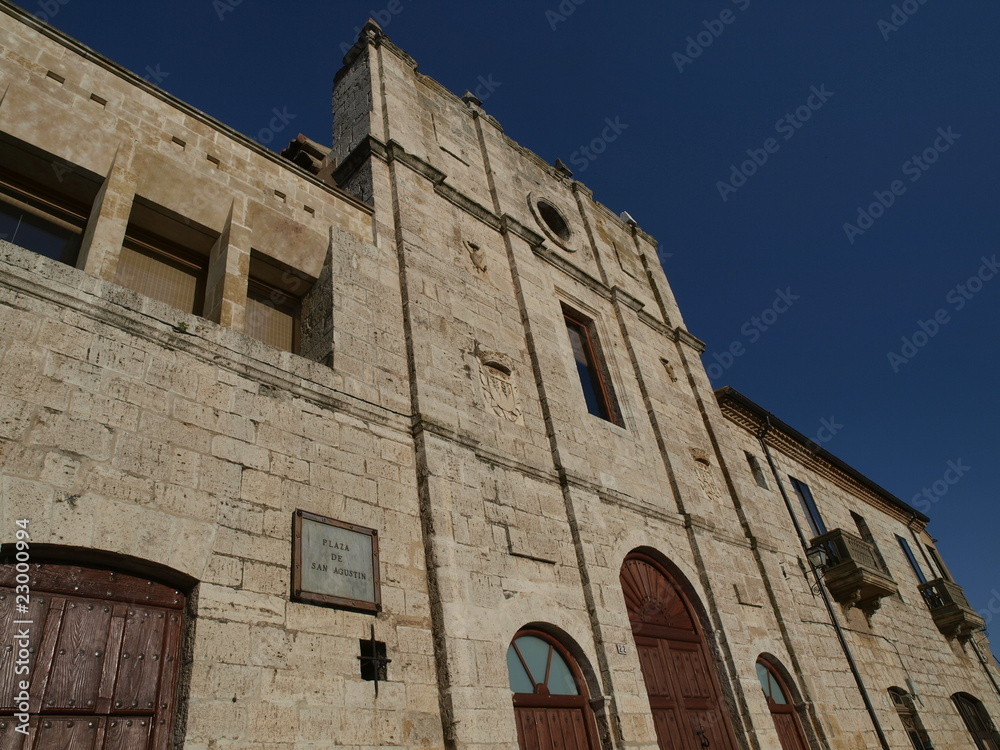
(551,706)
(683,689)
(782,707)
(101,656)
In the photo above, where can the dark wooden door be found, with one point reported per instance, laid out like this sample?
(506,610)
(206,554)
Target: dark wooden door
(551,706)
(978,721)
(551,728)
(102,661)
(680,678)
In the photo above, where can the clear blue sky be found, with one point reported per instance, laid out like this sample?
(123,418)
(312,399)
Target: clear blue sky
(880,94)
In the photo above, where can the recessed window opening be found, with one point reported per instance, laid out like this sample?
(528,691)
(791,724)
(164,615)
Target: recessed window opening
(590,368)
(44,201)
(978,721)
(910,719)
(165,256)
(866,534)
(805,496)
(756,470)
(910,558)
(274,302)
(553,220)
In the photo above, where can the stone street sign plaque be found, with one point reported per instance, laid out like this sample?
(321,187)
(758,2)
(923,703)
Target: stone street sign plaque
(334,563)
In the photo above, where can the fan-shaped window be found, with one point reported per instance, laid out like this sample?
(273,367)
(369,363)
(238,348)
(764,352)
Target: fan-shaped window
(771,686)
(782,706)
(537,667)
(550,696)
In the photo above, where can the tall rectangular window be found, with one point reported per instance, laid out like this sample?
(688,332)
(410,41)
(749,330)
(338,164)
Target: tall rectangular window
(910,558)
(936,559)
(866,534)
(590,368)
(758,473)
(809,506)
(165,256)
(274,302)
(152,268)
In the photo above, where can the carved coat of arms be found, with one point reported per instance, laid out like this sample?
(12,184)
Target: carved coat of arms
(500,390)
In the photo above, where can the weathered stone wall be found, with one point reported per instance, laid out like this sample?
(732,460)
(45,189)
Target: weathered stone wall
(528,518)
(438,403)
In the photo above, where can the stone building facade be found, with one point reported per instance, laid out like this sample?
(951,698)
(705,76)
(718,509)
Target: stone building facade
(431,338)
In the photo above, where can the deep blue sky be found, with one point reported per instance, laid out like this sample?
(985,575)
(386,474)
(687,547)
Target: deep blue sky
(559,75)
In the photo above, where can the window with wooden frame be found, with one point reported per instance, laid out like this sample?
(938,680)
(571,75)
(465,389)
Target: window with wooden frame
(867,535)
(911,558)
(813,515)
(165,256)
(274,302)
(44,201)
(551,705)
(594,377)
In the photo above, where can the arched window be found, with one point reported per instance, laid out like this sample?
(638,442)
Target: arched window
(550,696)
(978,721)
(782,707)
(912,725)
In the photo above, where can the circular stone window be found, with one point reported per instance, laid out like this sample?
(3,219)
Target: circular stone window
(553,220)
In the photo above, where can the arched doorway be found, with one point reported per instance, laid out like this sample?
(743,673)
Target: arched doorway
(680,677)
(102,652)
(978,721)
(551,706)
(910,719)
(782,707)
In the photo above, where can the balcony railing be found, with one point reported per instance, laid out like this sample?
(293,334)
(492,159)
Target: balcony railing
(855,574)
(951,611)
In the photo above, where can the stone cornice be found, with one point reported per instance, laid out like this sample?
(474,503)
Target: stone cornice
(752,418)
(138,82)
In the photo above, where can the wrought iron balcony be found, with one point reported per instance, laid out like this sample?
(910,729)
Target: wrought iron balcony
(854,572)
(951,611)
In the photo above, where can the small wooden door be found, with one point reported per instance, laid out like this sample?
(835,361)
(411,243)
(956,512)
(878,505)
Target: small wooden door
(782,708)
(978,721)
(680,678)
(551,706)
(102,657)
